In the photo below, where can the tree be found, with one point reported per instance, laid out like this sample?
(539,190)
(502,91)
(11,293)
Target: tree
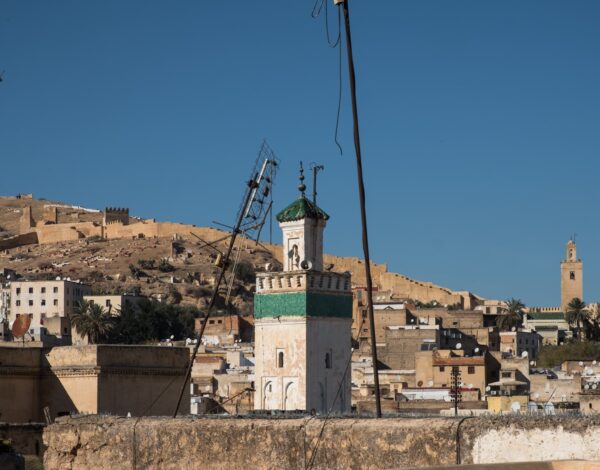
(91,320)
(578,316)
(512,316)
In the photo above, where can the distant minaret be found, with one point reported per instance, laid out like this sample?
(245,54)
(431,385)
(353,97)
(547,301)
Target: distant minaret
(303,319)
(571,276)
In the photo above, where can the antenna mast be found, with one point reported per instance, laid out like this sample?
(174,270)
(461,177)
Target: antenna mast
(250,218)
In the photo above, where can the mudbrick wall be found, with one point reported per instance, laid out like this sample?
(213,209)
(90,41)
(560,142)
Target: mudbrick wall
(94,442)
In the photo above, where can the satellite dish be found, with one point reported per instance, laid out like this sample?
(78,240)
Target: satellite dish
(580,363)
(594,362)
(515,406)
(532,363)
(268,267)
(430,383)
(488,388)
(514,328)
(476,350)
(595,386)
(470,385)
(306,264)
(586,386)
(58,278)
(524,354)
(172,336)
(458,345)
(536,395)
(21,326)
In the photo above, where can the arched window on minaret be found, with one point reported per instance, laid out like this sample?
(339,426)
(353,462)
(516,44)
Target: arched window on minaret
(572,275)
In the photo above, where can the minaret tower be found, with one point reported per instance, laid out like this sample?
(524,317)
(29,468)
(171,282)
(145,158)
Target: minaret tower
(571,276)
(303,318)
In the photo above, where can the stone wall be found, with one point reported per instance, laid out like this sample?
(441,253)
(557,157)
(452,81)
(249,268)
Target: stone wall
(94,442)
(30,238)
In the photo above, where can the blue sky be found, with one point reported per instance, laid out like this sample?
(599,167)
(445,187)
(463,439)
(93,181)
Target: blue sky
(479,122)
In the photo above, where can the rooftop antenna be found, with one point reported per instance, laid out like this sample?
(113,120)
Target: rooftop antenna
(249,220)
(315,169)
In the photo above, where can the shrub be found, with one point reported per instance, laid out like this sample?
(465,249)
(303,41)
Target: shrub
(165,267)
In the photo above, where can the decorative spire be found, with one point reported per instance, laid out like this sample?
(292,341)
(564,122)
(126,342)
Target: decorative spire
(301,186)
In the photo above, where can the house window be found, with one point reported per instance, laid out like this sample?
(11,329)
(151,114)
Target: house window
(328,360)
(18,303)
(43,290)
(18,290)
(43,302)
(471,370)
(108,302)
(572,275)
(31,303)
(442,368)
(279,358)
(31,290)
(211,322)
(55,290)
(55,302)
(506,375)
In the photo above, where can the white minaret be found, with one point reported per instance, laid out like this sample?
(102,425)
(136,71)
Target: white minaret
(303,319)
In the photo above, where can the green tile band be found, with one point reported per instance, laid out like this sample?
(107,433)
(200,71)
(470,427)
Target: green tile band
(302,304)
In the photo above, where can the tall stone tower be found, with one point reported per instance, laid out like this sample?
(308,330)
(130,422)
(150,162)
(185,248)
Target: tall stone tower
(571,276)
(303,319)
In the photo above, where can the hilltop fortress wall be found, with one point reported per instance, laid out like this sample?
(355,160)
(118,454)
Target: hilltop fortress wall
(115,224)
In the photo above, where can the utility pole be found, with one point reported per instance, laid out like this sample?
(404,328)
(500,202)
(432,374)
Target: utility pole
(361,194)
(315,168)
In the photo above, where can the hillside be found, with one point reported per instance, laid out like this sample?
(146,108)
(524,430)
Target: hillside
(130,263)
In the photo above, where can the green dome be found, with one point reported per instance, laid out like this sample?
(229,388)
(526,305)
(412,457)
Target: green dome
(301,208)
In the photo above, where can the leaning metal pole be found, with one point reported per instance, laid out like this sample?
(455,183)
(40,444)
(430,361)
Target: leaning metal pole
(252,184)
(363,210)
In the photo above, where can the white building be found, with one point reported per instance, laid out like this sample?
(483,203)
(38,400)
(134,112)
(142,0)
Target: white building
(303,319)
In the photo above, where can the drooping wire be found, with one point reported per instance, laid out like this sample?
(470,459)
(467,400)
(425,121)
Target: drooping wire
(318,7)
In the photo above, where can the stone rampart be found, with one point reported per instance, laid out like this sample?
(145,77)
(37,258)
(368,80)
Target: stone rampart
(56,233)
(94,442)
(30,238)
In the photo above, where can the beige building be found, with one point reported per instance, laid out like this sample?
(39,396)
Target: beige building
(48,303)
(571,276)
(434,369)
(141,380)
(114,303)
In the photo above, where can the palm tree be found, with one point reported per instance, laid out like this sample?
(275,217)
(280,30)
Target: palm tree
(512,316)
(578,316)
(91,320)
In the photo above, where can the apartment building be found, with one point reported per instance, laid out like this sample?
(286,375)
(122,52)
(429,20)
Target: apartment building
(48,303)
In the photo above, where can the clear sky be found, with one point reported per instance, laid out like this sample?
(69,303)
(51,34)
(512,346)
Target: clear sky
(480,123)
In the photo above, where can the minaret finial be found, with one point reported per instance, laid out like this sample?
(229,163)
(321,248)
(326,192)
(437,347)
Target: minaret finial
(302,186)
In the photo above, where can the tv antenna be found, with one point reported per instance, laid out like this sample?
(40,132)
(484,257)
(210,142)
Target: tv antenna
(315,169)
(249,221)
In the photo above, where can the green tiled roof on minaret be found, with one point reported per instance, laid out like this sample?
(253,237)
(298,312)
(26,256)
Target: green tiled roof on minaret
(301,208)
